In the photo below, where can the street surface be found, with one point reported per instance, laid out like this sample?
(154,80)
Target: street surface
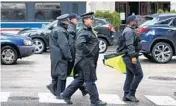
(24,84)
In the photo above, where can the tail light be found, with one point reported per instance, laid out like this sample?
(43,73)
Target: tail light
(111,28)
(142,30)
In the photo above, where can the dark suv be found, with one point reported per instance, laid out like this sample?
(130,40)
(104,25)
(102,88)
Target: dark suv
(158,37)
(40,36)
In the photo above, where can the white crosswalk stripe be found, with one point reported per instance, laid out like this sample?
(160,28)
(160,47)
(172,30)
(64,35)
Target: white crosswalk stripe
(162,100)
(111,99)
(48,98)
(4,96)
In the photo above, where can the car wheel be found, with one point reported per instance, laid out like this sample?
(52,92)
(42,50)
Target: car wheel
(103,45)
(162,52)
(8,55)
(39,46)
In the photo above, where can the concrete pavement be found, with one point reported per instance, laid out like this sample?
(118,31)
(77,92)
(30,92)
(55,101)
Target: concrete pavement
(24,84)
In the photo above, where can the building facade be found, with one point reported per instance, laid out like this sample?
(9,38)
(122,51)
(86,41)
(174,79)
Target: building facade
(173,5)
(128,8)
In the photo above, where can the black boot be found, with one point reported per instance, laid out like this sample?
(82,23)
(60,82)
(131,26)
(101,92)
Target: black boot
(132,98)
(99,103)
(67,100)
(125,99)
(51,89)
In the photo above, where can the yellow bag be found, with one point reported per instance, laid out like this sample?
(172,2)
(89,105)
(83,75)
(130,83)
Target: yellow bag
(117,63)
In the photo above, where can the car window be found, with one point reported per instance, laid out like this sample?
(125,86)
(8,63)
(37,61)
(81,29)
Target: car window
(174,23)
(79,25)
(150,22)
(165,17)
(98,22)
(165,22)
(107,21)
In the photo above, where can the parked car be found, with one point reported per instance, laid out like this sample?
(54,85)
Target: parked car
(14,47)
(158,37)
(40,36)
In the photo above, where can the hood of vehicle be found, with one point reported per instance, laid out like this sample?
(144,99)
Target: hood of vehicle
(13,36)
(35,31)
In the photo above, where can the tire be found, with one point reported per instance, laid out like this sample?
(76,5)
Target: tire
(39,45)
(9,55)
(103,45)
(162,52)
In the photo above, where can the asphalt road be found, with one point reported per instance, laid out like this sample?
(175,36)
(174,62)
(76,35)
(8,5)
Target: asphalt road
(24,84)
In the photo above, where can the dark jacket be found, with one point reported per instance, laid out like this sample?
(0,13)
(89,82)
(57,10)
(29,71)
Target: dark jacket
(72,37)
(72,30)
(60,52)
(132,42)
(87,52)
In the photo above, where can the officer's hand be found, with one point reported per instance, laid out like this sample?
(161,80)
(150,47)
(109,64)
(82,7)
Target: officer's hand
(134,60)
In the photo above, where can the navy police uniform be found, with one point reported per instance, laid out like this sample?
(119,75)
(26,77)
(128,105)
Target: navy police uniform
(72,38)
(134,71)
(60,56)
(87,52)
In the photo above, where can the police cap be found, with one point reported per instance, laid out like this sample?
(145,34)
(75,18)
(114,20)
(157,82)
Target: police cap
(132,18)
(63,17)
(73,15)
(87,15)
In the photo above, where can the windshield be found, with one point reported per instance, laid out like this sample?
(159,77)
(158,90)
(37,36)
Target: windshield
(54,23)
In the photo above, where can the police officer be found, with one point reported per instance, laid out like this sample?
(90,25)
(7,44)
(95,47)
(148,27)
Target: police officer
(87,52)
(134,71)
(74,19)
(60,55)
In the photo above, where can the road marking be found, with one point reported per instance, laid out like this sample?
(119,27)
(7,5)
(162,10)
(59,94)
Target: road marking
(111,99)
(162,100)
(49,98)
(69,80)
(4,96)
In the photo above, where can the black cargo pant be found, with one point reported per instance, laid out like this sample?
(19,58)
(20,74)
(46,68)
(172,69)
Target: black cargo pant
(58,85)
(79,81)
(134,76)
(82,88)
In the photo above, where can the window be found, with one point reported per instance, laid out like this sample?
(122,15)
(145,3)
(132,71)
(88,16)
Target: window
(13,11)
(174,23)
(165,22)
(47,11)
(150,22)
(75,8)
(166,17)
(98,23)
(79,25)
